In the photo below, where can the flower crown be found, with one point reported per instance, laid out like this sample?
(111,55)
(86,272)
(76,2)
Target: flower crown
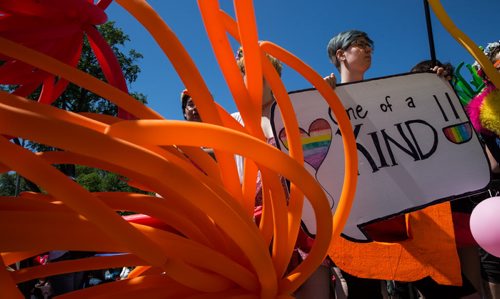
(488,50)
(491,47)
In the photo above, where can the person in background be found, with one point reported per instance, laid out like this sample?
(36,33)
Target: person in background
(442,70)
(351,53)
(189,110)
(267,101)
(190,113)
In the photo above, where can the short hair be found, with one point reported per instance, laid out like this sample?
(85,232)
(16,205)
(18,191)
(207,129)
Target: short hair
(342,41)
(185,96)
(240,60)
(427,65)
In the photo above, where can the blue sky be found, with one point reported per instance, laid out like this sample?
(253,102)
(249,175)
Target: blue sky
(397,27)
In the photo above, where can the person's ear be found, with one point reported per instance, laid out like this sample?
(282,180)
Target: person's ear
(340,54)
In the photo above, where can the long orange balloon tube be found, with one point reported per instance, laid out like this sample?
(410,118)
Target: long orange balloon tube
(138,271)
(88,202)
(169,213)
(222,49)
(82,201)
(349,142)
(207,164)
(247,29)
(31,202)
(291,127)
(466,42)
(273,189)
(7,284)
(216,251)
(47,63)
(178,56)
(72,158)
(245,232)
(296,147)
(205,258)
(60,157)
(350,177)
(69,266)
(249,40)
(90,239)
(250,114)
(291,124)
(200,133)
(145,131)
(51,65)
(49,111)
(249,186)
(75,119)
(121,201)
(151,206)
(10,258)
(266,224)
(191,77)
(151,286)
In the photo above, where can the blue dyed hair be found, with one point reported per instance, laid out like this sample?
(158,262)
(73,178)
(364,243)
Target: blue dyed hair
(342,41)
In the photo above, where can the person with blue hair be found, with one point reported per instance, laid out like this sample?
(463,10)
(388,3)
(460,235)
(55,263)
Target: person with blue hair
(351,53)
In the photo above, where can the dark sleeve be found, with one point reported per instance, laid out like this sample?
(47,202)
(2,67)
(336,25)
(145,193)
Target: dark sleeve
(493,144)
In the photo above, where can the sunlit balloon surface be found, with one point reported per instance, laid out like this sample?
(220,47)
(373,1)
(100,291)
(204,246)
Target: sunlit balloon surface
(204,243)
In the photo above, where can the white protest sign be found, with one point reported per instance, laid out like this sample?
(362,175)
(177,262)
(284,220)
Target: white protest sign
(415,145)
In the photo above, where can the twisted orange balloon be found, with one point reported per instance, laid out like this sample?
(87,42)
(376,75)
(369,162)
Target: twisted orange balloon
(213,249)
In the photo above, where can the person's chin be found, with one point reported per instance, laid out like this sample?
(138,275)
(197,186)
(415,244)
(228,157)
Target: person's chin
(368,63)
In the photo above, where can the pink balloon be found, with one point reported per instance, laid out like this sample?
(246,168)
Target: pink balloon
(485,225)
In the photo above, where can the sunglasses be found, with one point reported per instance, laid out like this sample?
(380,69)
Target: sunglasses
(362,44)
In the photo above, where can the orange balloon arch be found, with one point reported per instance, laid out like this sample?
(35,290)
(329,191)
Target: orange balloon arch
(217,250)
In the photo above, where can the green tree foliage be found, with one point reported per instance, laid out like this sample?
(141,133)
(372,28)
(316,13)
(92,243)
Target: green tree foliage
(8,184)
(78,99)
(97,180)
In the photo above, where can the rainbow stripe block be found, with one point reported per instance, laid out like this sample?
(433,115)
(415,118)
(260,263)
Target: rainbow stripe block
(459,133)
(315,143)
(316,147)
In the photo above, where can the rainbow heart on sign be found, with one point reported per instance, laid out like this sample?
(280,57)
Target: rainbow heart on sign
(315,142)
